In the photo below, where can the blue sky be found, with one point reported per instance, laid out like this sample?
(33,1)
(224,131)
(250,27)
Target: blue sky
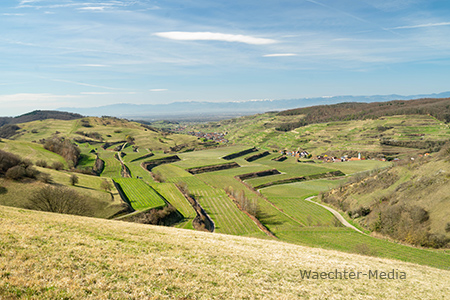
(67,53)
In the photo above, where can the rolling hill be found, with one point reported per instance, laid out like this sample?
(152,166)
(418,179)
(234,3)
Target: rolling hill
(376,130)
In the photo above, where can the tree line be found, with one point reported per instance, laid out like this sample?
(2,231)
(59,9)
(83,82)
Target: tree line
(348,111)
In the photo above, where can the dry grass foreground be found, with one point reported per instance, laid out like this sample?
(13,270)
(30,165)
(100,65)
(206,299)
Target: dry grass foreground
(52,256)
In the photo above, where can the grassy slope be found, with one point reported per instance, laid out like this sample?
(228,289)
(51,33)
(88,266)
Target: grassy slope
(423,183)
(106,204)
(31,151)
(362,135)
(51,256)
(118,129)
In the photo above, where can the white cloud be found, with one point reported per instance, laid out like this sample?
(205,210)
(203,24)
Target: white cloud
(214,36)
(423,25)
(279,54)
(96,93)
(93,65)
(93,8)
(158,90)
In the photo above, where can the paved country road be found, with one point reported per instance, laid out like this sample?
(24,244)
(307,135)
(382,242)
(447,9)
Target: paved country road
(336,214)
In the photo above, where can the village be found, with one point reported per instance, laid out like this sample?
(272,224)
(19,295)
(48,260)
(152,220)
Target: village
(217,137)
(325,158)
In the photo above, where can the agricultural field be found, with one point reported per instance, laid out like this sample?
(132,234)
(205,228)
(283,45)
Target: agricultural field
(220,208)
(170,192)
(141,195)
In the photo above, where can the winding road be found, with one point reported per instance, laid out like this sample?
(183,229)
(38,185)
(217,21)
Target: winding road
(336,214)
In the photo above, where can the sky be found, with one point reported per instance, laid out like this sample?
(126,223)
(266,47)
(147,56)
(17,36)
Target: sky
(67,53)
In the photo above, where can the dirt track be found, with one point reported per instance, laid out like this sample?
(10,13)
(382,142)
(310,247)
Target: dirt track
(336,214)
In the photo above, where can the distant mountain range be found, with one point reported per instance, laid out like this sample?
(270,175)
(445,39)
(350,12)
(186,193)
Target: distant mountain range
(221,110)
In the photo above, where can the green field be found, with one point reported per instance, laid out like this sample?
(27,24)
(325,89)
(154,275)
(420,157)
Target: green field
(31,151)
(225,214)
(141,195)
(171,193)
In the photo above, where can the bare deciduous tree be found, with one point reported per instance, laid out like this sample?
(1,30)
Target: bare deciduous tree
(59,200)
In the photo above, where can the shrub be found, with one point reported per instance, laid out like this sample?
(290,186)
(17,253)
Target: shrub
(158,177)
(85,123)
(157,216)
(57,165)
(41,163)
(59,199)
(45,178)
(106,185)
(364,249)
(447,227)
(7,161)
(19,172)
(3,190)
(73,179)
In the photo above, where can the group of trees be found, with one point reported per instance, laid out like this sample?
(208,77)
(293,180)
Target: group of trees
(246,204)
(63,147)
(13,167)
(60,199)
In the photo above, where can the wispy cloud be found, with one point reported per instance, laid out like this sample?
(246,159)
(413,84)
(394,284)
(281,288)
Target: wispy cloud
(158,90)
(214,36)
(423,25)
(93,65)
(279,54)
(85,84)
(13,14)
(96,93)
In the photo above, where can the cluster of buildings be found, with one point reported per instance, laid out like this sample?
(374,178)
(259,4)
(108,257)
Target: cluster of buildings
(298,154)
(326,158)
(217,137)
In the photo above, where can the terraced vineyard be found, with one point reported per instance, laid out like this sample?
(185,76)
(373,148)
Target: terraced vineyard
(176,198)
(141,195)
(221,209)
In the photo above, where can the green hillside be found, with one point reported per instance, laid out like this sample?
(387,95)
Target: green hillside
(409,201)
(389,129)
